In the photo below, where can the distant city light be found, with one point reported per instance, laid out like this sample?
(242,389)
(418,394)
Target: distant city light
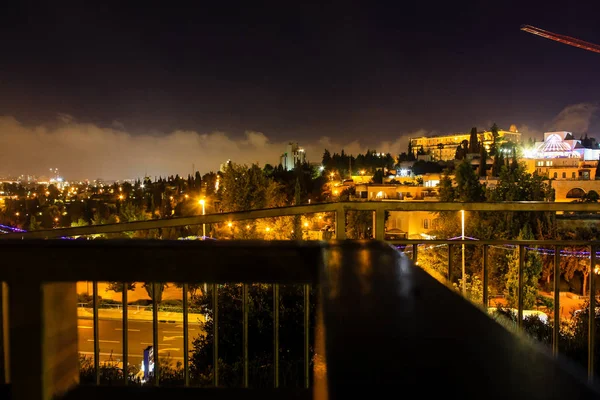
(321,168)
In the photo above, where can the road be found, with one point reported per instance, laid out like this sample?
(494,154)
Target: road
(110,332)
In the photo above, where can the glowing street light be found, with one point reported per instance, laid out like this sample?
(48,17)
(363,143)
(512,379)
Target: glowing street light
(267,229)
(202,202)
(229,224)
(306,224)
(120,197)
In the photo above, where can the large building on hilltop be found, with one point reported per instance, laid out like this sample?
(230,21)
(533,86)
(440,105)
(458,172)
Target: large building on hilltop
(443,147)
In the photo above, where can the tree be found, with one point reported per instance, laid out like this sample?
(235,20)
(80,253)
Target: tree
(359,224)
(473,141)
(117,287)
(494,147)
(149,286)
(326,160)
(243,188)
(532,268)
(34,224)
(461,150)
(440,147)
(260,334)
(577,262)
(446,189)
(482,161)
(468,187)
(378,177)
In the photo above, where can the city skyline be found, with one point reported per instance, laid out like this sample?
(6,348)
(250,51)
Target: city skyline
(87,151)
(238,82)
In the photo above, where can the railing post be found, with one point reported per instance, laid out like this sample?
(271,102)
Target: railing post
(44,362)
(449,264)
(556,327)
(186,364)
(245,333)
(380,224)
(215,335)
(95,333)
(415,247)
(125,335)
(592,316)
(520,287)
(3,335)
(155,333)
(485,276)
(340,223)
(306,335)
(276,335)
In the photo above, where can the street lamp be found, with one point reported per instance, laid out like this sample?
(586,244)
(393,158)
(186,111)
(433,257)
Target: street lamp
(464,285)
(202,202)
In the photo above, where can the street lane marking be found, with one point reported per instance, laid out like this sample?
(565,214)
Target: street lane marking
(181,326)
(128,329)
(91,353)
(167,338)
(173,331)
(169,349)
(84,327)
(104,341)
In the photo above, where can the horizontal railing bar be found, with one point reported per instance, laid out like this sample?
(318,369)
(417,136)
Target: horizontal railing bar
(515,242)
(388,205)
(162,261)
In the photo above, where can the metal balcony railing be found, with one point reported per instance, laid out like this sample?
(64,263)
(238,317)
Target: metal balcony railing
(379,328)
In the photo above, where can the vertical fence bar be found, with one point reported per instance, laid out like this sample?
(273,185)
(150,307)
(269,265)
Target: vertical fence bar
(96,336)
(414,258)
(556,327)
(520,287)
(486,301)
(2,336)
(449,263)
(306,336)
(215,335)
(340,223)
(155,332)
(125,335)
(592,316)
(186,364)
(245,339)
(276,335)
(380,224)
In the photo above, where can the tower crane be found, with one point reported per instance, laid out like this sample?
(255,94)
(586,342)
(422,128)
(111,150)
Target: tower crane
(562,38)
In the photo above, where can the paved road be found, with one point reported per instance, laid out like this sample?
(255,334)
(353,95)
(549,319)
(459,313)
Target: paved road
(170,339)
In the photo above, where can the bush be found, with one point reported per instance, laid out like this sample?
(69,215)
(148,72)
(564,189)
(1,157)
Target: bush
(85,298)
(108,303)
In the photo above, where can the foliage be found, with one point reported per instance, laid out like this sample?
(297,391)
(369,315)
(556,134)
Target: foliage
(118,286)
(260,335)
(473,286)
(532,268)
(468,187)
(150,290)
(359,224)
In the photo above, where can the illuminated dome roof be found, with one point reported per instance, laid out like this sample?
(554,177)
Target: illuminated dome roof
(554,143)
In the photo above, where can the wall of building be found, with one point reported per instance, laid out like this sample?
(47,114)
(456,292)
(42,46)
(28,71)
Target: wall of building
(562,188)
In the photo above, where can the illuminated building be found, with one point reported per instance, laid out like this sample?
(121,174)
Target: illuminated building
(570,166)
(443,147)
(293,155)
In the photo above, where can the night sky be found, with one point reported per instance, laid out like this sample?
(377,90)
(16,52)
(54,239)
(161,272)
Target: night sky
(370,71)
